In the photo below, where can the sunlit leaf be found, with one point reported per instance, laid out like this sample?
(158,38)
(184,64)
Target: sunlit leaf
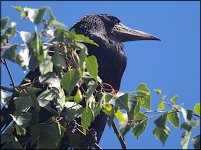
(92,66)
(118,114)
(174,119)
(161,105)
(18,8)
(46,66)
(74,110)
(174,98)
(197,108)
(185,139)
(158,91)
(45,97)
(36,15)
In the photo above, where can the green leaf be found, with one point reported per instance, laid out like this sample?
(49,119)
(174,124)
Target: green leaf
(11,55)
(161,121)
(91,87)
(122,101)
(58,60)
(196,142)
(78,96)
(197,108)
(92,66)
(11,31)
(27,37)
(46,66)
(174,119)
(174,98)
(22,120)
(132,103)
(74,110)
(185,139)
(45,97)
(158,91)
(161,133)
(4,21)
(36,15)
(142,90)
(139,128)
(189,125)
(20,131)
(86,119)
(70,80)
(161,105)
(21,103)
(51,15)
(18,8)
(118,114)
(139,117)
(108,109)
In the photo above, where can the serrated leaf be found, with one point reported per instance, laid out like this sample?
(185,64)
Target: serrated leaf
(189,125)
(158,91)
(145,101)
(4,21)
(161,133)
(74,110)
(185,139)
(197,108)
(108,109)
(46,66)
(36,15)
(86,119)
(142,89)
(161,105)
(122,101)
(70,80)
(45,97)
(161,121)
(139,128)
(26,36)
(118,114)
(196,142)
(174,98)
(139,117)
(92,66)
(174,119)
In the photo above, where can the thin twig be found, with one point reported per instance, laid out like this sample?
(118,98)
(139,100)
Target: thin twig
(13,83)
(122,142)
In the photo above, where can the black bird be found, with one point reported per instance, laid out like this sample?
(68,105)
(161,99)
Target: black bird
(109,33)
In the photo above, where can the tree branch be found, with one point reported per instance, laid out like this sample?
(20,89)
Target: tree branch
(13,83)
(122,142)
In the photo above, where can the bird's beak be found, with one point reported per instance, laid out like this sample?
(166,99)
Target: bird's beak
(127,34)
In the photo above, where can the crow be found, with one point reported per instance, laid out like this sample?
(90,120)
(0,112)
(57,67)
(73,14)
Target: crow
(109,33)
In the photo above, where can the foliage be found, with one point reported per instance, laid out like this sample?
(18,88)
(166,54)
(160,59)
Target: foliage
(71,77)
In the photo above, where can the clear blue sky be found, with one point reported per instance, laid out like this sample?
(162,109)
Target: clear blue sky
(172,65)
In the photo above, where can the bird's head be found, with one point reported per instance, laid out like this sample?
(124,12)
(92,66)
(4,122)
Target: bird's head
(105,25)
